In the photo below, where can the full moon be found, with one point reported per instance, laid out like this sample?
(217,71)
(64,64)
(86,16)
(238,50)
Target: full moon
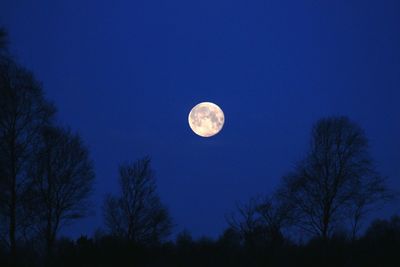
(206,119)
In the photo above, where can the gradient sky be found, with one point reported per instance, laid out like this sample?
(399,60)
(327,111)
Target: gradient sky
(125,74)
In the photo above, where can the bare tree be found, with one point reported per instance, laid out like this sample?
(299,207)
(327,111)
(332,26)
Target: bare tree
(23,112)
(246,221)
(137,214)
(260,220)
(62,179)
(370,195)
(331,180)
(275,215)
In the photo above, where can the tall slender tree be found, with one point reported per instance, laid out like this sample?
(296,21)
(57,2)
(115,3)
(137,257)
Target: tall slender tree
(137,214)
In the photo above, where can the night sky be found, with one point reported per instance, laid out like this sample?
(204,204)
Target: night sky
(125,74)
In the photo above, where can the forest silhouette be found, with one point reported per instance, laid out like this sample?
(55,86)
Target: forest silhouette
(47,176)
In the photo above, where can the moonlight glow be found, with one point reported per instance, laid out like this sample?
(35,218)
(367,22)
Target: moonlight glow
(206,119)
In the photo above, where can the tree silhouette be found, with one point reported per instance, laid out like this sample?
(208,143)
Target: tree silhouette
(23,112)
(246,221)
(260,221)
(62,178)
(336,178)
(275,216)
(137,214)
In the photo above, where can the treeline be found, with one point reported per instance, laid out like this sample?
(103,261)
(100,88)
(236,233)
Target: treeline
(313,218)
(379,246)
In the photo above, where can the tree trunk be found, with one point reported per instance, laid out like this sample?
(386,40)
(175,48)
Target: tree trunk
(13,205)
(49,242)
(13,222)
(325,227)
(49,226)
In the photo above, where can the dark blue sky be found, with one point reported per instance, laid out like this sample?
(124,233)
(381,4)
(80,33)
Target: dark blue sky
(125,74)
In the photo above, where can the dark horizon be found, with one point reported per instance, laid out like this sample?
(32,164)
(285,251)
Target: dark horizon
(125,76)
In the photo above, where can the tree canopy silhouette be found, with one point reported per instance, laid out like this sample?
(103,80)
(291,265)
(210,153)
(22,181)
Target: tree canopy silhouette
(61,180)
(335,181)
(45,171)
(23,113)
